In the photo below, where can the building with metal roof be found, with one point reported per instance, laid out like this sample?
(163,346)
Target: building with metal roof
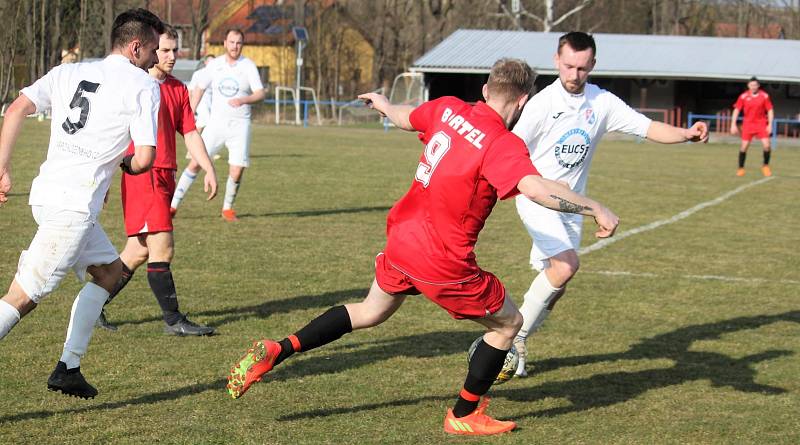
(699,74)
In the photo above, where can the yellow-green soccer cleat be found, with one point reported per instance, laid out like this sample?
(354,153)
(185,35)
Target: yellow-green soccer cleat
(256,362)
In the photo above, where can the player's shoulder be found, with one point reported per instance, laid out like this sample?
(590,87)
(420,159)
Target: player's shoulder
(173,82)
(743,95)
(246,62)
(594,92)
(763,94)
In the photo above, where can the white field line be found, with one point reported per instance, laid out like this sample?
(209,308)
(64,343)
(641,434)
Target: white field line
(752,280)
(682,215)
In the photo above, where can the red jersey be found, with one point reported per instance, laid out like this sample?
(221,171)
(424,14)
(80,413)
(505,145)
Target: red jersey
(174,115)
(754,106)
(470,159)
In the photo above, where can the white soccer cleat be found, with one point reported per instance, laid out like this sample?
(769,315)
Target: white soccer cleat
(519,344)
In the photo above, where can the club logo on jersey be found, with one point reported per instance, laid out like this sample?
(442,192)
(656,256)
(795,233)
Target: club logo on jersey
(228,87)
(590,117)
(571,149)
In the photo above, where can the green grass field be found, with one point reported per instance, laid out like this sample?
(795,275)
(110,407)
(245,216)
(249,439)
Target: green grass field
(688,333)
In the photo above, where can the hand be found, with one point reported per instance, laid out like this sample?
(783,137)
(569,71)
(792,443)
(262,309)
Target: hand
(769,130)
(210,185)
(376,101)
(734,129)
(5,185)
(235,103)
(697,132)
(607,222)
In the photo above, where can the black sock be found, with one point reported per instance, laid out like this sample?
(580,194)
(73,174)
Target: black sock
(486,363)
(766,156)
(160,278)
(126,276)
(329,326)
(742,156)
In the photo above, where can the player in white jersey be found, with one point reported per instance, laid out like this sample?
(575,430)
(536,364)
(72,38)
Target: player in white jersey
(236,84)
(98,109)
(562,125)
(203,109)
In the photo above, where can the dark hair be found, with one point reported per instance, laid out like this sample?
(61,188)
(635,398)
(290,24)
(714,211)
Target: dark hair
(135,24)
(511,78)
(578,41)
(753,79)
(170,31)
(236,30)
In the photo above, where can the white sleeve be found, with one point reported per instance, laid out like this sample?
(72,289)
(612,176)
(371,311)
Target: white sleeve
(41,92)
(254,79)
(625,119)
(529,125)
(201,79)
(144,125)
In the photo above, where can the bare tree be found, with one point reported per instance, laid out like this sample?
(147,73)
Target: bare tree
(546,18)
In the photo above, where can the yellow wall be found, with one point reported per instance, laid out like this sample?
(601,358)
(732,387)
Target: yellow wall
(281,59)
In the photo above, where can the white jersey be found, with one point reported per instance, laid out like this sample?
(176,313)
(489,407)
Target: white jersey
(97,109)
(229,82)
(562,129)
(204,106)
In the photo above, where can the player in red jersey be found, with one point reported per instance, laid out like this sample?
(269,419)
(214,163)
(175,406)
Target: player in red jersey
(758,116)
(470,160)
(146,198)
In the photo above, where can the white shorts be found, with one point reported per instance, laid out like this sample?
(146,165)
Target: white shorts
(234,134)
(65,240)
(552,232)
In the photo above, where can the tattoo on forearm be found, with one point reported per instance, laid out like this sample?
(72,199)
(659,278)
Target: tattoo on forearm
(569,207)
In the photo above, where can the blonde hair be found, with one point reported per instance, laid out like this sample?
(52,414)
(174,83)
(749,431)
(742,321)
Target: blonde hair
(511,78)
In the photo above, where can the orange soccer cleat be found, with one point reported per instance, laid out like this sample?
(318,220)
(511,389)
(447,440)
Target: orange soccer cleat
(739,171)
(766,171)
(256,362)
(229,215)
(477,423)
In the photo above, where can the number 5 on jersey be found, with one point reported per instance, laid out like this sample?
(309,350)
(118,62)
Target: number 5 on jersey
(434,152)
(80,101)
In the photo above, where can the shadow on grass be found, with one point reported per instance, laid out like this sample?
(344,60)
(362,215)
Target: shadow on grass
(277,155)
(607,389)
(147,399)
(298,213)
(267,308)
(320,212)
(367,352)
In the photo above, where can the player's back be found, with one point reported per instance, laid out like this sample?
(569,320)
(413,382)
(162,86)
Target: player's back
(432,230)
(95,108)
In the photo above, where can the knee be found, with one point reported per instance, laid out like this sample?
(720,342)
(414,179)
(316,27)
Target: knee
(106,276)
(511,327)
(565,267)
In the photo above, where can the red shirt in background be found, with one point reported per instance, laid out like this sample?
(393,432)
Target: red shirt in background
(754,107)
(174,115)
(470,159)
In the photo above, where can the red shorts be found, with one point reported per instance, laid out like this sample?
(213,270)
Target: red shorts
(754,130)
(146,199)
(475,298)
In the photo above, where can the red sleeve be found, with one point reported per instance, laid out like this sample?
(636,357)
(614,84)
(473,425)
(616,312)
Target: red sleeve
(506,163)
(423,115)
(767,102)
(739,105)
(186,124)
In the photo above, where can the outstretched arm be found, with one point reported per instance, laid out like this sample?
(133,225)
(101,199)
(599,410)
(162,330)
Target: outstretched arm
(12,124)
(398,114)
(557,196)
(770,119)
(257,96)
(668,134)
(197,150)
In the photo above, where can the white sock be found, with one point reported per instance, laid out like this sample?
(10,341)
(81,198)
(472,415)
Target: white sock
(534,308)
(231,189)
(9,316)
(186,180)
(85,311)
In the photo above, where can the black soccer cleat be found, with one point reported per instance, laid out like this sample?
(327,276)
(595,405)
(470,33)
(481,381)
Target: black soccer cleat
(184,327)
(70,382)
(103,322)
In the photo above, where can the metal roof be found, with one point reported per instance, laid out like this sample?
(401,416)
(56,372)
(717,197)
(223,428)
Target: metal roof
(623,55)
